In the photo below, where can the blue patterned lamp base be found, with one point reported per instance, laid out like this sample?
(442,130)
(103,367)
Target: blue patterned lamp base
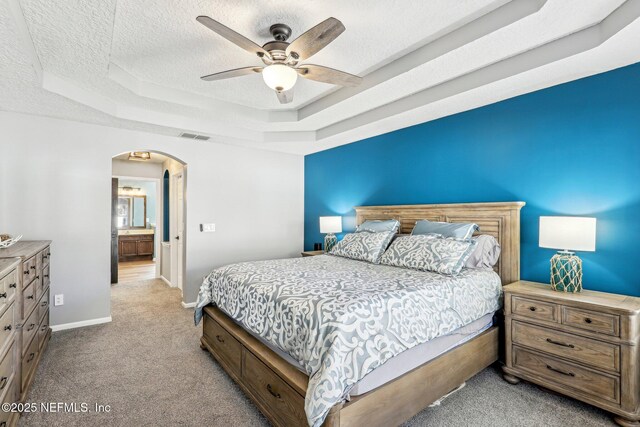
(330,241)
(566,272)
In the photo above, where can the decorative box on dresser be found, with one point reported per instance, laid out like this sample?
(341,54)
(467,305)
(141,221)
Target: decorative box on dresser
(29,304)
(583,345)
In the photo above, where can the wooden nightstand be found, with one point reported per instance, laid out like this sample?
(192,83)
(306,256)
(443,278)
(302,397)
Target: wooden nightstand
(582,345)
(312,253)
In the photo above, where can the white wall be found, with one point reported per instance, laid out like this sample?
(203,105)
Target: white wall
(56,184)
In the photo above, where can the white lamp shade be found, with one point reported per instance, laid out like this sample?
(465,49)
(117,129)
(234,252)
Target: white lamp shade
(279,77)
(330,224)
(568,232)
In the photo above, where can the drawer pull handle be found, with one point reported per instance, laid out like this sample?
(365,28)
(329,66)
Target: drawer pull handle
(43,303)
(31,356)
(3,382)
(219,338)
(13,285)
(33,267)
(587,320)
(44,328)
(532,308)
(7,328)
(569,374)
(29,296)
(38,277)
(46,276)
(31,326)
(549,340)
(26,272)
(273,393)
(3,295)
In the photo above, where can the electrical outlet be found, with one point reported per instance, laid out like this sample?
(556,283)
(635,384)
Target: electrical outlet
(58,299)
(208,228)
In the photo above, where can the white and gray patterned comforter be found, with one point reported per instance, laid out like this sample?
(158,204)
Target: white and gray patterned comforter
(341,318)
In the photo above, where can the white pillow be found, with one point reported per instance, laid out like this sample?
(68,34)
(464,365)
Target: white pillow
(485,254)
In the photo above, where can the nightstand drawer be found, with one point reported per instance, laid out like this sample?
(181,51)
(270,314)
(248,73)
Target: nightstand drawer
(608,324)
(584,350)
(565,374)
(534,309)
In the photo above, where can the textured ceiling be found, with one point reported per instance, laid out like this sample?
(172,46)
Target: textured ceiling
(137,65)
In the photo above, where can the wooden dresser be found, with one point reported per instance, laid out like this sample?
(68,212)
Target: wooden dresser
(583,345)
(25,281)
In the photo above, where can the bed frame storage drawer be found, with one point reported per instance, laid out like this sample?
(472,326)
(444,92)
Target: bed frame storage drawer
(225,346)
(590,352)
(273,391)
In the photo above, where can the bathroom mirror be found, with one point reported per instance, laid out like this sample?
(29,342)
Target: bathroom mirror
(132,211)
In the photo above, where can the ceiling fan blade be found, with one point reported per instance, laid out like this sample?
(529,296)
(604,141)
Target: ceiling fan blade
(232,36)
(328,75)
(285,97)
(315,39)
(232,73)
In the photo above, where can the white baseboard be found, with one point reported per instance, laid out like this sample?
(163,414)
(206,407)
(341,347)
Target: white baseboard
(188,305)
(166,281)
(81,324)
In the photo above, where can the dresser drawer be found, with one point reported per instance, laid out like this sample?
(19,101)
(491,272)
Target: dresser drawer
(28,270)
(565,374)
(46,279)
(29,362)
(29,330)
(7,325)
(534,309)
(602,323)
(286,404)
(6,370)
(10,396)
(8,287)
(43,305)
(584,350)
(42,330)
(45,256)
(28,299)
(224,345)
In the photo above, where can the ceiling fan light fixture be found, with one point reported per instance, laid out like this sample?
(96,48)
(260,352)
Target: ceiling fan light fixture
(279,77)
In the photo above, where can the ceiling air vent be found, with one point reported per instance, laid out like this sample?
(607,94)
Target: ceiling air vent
(194,136)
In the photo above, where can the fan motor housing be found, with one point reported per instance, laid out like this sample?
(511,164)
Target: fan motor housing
(280,32)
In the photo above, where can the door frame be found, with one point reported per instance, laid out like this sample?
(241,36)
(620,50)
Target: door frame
(157,241)
(173,222)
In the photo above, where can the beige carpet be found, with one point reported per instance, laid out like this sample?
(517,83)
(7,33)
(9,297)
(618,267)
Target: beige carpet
(148,366)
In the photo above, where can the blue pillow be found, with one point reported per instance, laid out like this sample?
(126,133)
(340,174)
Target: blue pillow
(456,230)
(379,226)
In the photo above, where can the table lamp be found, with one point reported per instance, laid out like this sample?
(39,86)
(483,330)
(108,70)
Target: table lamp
(328,226)
(567,233)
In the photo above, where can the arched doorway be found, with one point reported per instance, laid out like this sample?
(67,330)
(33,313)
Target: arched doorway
(161,226)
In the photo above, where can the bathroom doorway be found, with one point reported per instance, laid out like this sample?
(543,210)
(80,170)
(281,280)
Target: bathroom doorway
(147,218)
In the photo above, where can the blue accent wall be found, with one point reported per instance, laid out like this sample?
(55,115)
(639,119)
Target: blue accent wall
(573,149)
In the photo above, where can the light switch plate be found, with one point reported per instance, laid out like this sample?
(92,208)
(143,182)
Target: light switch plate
(58,299)
(208,228)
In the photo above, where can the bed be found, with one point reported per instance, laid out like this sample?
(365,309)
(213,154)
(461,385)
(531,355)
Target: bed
(338,330)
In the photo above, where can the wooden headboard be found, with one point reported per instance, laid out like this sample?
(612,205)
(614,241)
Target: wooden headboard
(500,220)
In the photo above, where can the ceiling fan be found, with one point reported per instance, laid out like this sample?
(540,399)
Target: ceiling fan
(282,59)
